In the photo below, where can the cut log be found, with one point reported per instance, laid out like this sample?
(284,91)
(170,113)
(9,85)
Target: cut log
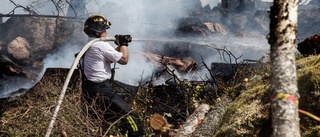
(157,121)
(160,125)
(193,121)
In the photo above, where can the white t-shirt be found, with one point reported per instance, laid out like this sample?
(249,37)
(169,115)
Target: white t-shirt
(97,61)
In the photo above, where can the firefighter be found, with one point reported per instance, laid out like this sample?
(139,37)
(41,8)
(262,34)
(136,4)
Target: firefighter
(95,66)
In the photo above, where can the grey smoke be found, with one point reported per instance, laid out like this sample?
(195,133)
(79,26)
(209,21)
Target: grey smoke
(148,19)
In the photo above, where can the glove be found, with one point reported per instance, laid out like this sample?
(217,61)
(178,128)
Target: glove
(123,40)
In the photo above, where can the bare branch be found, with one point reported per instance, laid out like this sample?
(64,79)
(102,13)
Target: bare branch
(27,9)
(28,15)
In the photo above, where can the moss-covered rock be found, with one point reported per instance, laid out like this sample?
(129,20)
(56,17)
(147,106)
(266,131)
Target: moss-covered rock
(247,114)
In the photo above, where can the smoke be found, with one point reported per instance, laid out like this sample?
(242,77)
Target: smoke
(63,58)
(157,19)
(153,19)
(211,3)
(145,19)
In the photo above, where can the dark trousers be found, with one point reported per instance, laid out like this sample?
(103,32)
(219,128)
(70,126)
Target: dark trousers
(111,106)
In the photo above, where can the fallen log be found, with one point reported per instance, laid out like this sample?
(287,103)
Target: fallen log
(185,64)
(211,123)
(193,121)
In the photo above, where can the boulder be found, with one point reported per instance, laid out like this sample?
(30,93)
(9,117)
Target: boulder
(19,48)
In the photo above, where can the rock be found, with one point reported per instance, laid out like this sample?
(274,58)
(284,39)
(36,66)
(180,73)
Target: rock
(18,48)
(38,31)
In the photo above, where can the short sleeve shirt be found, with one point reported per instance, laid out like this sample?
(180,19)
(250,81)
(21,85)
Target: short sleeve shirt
(97,61)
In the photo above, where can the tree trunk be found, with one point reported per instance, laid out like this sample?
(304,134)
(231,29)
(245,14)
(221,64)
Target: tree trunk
(193,121)
(283,27)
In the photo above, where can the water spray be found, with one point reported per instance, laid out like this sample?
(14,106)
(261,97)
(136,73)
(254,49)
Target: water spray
(212,43)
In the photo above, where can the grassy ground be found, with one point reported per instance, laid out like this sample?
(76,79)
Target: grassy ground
(247,115)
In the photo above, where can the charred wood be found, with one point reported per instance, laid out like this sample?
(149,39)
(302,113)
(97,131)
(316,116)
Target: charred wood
(229,73)
(310,46)
(186,64)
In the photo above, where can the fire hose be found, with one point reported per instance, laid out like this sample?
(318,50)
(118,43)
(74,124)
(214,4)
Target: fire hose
(65,85)
(71,70)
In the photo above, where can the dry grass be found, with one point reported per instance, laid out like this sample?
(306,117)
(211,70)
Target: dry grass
(30,114)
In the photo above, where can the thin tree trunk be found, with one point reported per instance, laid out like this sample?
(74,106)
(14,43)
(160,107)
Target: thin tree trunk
(283,28)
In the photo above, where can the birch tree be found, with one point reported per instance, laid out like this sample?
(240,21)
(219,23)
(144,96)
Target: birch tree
(283,29)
